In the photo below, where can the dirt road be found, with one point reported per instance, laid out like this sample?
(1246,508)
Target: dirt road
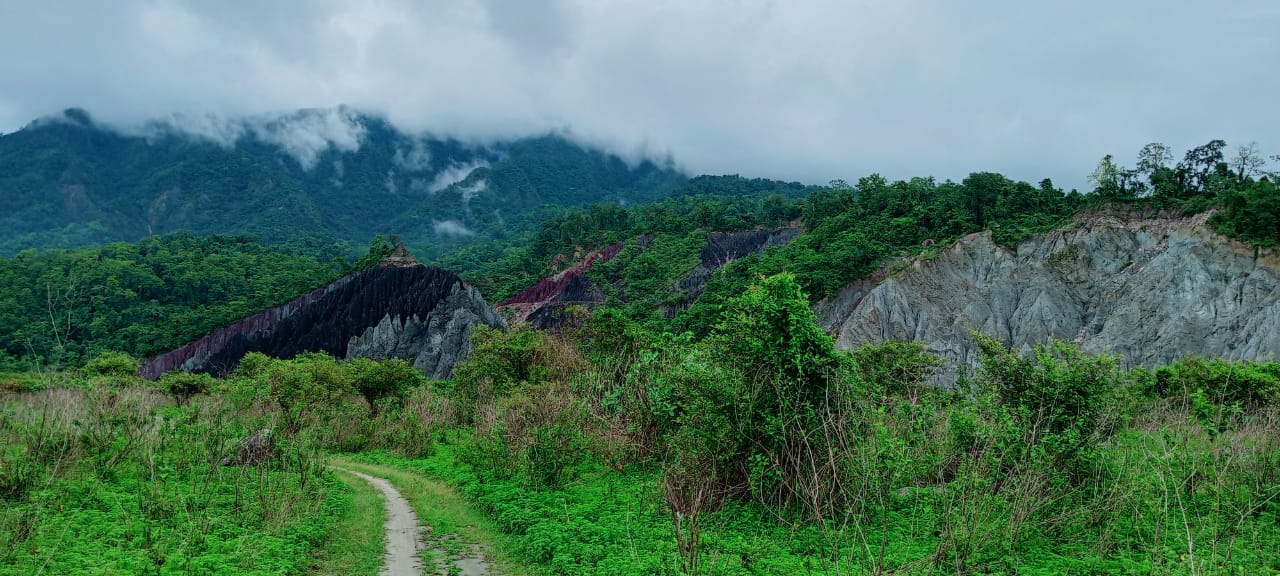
(403,541)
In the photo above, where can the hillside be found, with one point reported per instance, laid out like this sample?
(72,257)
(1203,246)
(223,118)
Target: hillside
(1149,289)
(397,309)
(313,177)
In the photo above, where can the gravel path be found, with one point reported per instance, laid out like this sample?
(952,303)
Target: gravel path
(403,540)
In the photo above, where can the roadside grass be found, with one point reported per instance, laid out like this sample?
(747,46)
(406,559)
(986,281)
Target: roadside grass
(356,541)
(454,525)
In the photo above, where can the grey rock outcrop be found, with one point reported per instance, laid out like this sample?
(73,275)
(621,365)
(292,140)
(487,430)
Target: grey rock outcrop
(1149,290)
(434,342)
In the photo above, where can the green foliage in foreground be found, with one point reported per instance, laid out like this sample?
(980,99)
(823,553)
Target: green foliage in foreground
(103,473)
(124,481)
(758,450)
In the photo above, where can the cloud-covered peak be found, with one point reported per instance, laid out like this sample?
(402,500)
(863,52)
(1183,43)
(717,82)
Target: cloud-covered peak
(302,134)
(792,90)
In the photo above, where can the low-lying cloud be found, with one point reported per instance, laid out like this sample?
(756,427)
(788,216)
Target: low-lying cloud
(808,90)
(455,173)
(451,228)
(302,134)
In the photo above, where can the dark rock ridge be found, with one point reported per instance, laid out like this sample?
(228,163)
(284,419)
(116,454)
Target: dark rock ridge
(399,309)
(721,249)
(542,305)
(1151,290)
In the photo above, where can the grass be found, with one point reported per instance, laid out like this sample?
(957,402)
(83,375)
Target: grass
(455,524)
(355,543)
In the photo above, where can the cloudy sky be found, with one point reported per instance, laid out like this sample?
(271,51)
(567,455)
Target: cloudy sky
(794,89)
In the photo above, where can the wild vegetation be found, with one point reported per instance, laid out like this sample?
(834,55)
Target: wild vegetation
(610,449)
(62,307)
(734,439)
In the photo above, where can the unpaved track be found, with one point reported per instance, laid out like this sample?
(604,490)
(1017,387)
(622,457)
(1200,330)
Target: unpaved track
(403,542)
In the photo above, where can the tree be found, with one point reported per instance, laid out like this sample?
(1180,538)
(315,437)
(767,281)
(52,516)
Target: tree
(777,209)
(391,378)
(1152,158)
(1198,164)
(1248,162)
(1153,162)
(1109,179)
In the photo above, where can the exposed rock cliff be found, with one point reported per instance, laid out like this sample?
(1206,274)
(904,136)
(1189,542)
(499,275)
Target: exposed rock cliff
(721,249)
(542,305)
(1149,290)
(399,309)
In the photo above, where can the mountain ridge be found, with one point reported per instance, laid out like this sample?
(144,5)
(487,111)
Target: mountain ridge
(311,175)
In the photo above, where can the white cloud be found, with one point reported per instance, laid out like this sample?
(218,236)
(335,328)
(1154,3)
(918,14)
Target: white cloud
(302,134)
(451,228)
(307,134)
(416,158)
(390,183)
(474,189)
(455,173)
(811,90)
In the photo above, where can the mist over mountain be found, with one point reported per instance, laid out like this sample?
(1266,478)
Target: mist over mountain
(321,176)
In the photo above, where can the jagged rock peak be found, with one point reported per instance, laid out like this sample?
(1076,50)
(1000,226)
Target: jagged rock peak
(400,258)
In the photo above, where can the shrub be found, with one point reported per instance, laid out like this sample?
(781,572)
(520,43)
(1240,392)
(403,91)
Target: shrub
(896,368)
(184,385)
(1220,381)
(390,379)
(112,370)
(1053,398)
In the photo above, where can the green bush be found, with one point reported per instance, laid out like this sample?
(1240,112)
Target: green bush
(1221,381)
(389,379)
(184,385)
(111,370)
(896,368)
(1054,398)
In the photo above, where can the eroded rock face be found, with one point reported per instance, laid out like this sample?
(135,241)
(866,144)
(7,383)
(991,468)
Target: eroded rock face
(721,249)
(1150,290)
(400,309)
(543,305)
(434,342)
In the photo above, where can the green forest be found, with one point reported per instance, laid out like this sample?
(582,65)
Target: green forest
(71,182)
(733,438)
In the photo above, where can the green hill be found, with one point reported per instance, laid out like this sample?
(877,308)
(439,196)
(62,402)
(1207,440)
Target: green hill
(309,176)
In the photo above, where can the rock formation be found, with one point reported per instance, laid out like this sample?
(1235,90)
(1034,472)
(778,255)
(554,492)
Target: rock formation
(721,249)
(398,309)
(542,305)
(1150,290)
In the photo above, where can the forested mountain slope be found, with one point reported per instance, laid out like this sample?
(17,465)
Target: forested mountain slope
(314,177)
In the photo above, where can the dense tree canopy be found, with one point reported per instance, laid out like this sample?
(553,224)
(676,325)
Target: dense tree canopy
(67,305)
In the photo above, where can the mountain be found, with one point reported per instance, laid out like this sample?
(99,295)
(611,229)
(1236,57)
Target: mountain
(1150,289)
(311,176)
(397,309)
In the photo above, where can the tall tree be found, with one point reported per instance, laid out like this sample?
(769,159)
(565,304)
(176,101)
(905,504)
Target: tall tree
(1198,164)
(1106,178)
(1248,162)
(1152,158)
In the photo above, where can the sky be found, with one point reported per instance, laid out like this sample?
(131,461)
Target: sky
(791,89)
